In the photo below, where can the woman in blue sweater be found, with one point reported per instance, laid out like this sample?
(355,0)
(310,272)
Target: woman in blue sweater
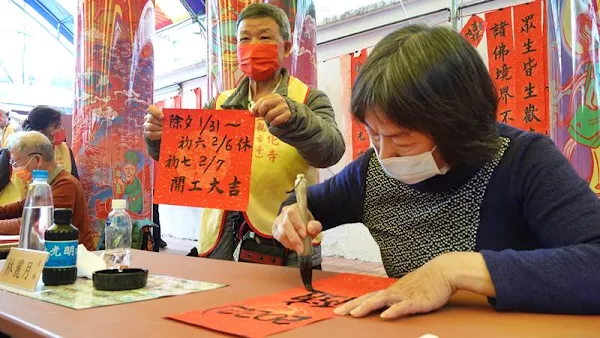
(455,200)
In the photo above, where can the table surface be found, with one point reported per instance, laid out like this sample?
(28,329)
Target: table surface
(466,315)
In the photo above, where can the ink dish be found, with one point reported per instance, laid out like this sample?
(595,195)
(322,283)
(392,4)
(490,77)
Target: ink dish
(115,280)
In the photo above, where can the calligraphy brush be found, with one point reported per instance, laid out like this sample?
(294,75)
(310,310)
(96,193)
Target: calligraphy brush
(306,256)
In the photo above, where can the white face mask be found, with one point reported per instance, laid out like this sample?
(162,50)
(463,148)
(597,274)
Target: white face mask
(412,169)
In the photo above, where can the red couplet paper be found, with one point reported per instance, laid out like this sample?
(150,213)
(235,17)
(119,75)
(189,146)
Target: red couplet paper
(474,29)
(360,139)
(205,159)
(501,60)
(530,46)
(268,315)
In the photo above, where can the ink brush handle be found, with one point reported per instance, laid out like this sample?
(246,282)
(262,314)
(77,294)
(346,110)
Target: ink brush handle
(302,203)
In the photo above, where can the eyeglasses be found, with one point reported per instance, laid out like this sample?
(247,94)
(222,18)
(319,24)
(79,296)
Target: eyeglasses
(15,163)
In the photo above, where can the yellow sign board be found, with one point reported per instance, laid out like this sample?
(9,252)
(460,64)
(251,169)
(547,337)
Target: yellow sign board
(23,268)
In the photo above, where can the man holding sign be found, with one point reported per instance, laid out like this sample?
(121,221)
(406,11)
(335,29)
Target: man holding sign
(295,133)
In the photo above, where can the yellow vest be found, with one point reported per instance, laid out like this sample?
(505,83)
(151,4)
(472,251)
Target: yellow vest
(16,190)
(275,165)
(9,130)
(11,193)
(62,156)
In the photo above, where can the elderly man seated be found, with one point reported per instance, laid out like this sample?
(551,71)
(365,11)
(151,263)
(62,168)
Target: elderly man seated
(33,151)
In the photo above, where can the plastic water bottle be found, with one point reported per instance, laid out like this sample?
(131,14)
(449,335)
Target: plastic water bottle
(118,236)
(37,213)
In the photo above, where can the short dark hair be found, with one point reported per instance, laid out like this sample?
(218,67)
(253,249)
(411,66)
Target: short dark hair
(431,80)
(41,117)
(265,10)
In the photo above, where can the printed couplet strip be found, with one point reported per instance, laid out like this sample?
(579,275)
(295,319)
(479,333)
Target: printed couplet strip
(268,315)
(531,76)
(501,60)
(360,139)
(205,159)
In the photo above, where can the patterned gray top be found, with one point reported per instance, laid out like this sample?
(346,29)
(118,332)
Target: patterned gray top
(416,226)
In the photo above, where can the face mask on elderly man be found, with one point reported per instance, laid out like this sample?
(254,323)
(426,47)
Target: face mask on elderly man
(258,61)
(21,171)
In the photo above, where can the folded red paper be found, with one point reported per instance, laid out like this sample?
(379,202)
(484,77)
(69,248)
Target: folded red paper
(271,314)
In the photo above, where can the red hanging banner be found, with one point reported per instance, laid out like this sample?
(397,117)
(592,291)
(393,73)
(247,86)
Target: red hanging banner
(473,30)
(501,60)
(177,102)
(546,62)
(531,73)
(360,139)
(198,93)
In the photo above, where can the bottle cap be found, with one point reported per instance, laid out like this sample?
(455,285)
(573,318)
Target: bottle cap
(119,204)
(40,175)
(63,216)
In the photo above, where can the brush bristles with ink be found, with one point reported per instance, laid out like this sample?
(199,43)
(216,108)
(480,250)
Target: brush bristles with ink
(306,272)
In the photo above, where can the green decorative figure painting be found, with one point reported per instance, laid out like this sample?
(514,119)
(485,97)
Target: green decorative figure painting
(128,185)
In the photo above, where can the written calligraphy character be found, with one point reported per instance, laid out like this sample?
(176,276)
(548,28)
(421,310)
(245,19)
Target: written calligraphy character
(200,142)
(172,161)
(9,266)
(17,273)
(185,143)
(234,189)
(319,299)
(195,187)
(501,51)
(188,121)
(214,186)
(528,45)
(244,144)
(527,23)
(27,270)
(503,73)
(475,31)
(177,184)
(530,111)
(505,116)
(261,126)
(273,140)
(55,251)
(499,29)
(361,136)
(240,311)
(175,121)
(529,65)
(272,155)
(530,91)
(259,152)
(505,94)
(69,250)
(186,161)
